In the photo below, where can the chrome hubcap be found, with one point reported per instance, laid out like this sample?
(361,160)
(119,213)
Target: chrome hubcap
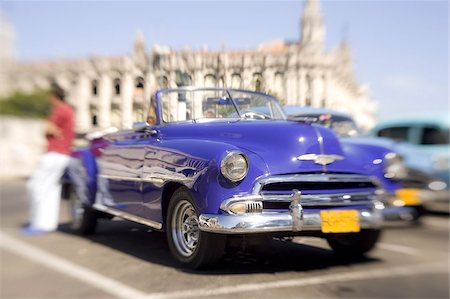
(185,230)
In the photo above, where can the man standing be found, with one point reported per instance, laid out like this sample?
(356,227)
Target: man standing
(44,187)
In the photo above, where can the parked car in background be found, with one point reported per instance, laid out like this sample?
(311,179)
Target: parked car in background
(215,166)
(424,142)
(406,188)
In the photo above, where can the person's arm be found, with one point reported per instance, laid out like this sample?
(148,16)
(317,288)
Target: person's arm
(52,130)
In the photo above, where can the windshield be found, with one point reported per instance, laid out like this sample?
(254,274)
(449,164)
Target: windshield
(186,104)
(434,136)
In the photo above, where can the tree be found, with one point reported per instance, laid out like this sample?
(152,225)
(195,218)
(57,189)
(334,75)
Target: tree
(28,105)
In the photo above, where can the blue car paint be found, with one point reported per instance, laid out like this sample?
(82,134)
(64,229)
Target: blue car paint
(192,152)
(367,149)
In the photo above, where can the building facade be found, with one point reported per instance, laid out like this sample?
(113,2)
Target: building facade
(116,91)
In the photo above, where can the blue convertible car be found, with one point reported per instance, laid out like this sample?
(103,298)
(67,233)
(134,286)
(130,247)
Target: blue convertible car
(214,165)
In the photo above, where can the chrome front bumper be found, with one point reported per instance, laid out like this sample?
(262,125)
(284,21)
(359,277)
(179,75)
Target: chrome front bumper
(277,222)
(297,219)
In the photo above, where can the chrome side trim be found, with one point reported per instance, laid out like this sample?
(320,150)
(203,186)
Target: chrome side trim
(120,178)
(309,178)
(151,178)
(158,178)
(127,216)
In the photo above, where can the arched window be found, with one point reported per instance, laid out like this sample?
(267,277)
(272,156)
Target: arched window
(163,82)
(221,82)
(116,84)
(236,81)
(93,111)
(182,78)
(94,87)
(258,82)
(140,82)
(210,80)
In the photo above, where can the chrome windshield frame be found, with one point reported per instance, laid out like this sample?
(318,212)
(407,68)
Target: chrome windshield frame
(229,91)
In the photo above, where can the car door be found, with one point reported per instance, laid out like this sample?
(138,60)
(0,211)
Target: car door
(120,172)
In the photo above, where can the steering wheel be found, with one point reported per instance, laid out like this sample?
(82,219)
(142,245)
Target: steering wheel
(255,115)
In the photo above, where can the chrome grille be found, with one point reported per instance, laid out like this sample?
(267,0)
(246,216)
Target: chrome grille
(318,190)
(254,207)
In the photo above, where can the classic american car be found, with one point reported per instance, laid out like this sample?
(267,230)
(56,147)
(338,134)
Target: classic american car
(408,188)
(424,141)
(214,165)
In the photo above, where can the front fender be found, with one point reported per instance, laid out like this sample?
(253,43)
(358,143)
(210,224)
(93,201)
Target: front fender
(208,186)
(372,158)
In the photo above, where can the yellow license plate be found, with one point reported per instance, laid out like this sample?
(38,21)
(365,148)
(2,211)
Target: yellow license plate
(409,197)
(340,221)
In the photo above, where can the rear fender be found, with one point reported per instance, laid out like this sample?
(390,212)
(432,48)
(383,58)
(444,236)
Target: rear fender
(82,175)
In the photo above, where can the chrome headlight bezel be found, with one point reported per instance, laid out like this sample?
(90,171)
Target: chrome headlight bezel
(394,166)
(229,162)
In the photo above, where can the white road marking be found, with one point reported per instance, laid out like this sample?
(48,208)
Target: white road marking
(117,289)
(308,281)
(68,268)
(399,249)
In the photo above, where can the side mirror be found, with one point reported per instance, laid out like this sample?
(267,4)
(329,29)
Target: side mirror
(144,127)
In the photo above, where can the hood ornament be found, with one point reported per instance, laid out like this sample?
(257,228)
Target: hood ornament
(320,159)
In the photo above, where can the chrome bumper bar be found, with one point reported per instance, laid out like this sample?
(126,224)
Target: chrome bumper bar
(297,219)
(277,222)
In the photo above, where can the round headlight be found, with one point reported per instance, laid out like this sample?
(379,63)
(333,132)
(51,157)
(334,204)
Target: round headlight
(394,168)
(234,166)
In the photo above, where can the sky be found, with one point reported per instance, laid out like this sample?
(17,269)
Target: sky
(399,48)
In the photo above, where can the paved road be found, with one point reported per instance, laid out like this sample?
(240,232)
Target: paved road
(129,261)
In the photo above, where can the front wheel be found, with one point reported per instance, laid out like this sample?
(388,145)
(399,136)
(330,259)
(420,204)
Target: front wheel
(192,247)
(83,217)
(354,244)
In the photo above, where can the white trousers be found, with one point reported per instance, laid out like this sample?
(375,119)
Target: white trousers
(44,191)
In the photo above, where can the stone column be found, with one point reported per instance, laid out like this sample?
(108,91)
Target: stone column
(315,90)
(296,87)
(326,78)
(81,102)
(290,87)
(198,81)
(302,88)
(149,91)
(104,107)
(127,100)
(247,79)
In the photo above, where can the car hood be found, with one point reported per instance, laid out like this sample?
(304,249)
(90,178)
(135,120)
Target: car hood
(278,143)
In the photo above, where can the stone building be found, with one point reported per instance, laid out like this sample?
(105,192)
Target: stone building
(115,91)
